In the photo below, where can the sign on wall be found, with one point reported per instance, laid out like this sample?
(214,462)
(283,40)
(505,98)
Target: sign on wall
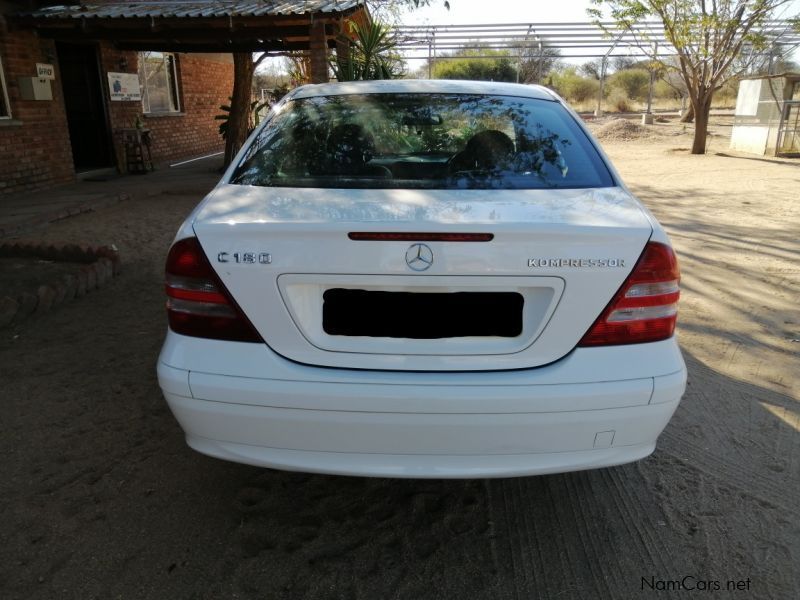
(124,87)
(45,71)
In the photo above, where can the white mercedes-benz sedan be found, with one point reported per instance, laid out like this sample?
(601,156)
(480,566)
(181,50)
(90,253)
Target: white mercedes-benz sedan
(422,279)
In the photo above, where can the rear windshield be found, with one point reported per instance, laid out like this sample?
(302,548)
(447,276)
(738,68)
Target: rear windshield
(433,141)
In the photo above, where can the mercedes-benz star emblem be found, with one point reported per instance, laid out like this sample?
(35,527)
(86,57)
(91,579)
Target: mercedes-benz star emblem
(419,257)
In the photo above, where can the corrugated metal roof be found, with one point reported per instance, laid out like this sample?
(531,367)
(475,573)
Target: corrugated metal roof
(189,9)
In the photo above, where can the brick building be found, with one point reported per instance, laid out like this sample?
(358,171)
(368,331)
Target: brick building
(73,77)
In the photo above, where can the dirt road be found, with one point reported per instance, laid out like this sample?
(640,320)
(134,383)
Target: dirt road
(100,497)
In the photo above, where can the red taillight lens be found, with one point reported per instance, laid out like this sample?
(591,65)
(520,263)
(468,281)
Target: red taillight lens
(646,306)
(198,304)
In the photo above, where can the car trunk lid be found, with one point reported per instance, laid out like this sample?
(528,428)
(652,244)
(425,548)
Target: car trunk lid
(522,298)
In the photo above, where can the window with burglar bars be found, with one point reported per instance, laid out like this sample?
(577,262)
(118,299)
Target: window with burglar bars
(159,80)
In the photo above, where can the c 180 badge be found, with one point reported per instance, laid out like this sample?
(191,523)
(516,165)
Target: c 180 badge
(246,258)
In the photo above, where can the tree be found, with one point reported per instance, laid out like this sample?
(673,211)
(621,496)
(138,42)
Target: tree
(707,35)
(569,84)
(476,62)
(634,83)
(392,10)
(239,116)
(392,5)
(269,77)
(621,63)
(536,62)
(297,68)
(591,69)
(254,118)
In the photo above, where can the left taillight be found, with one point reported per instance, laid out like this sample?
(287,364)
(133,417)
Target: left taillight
(198,304)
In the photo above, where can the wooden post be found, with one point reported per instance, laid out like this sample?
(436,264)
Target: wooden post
(318,46)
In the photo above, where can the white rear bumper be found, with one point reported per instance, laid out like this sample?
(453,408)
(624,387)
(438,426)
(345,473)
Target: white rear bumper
(442,425)
(420,466)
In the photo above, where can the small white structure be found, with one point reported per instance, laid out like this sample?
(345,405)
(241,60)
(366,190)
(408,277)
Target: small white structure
(767,119)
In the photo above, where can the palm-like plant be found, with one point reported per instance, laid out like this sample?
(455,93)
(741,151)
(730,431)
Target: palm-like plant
(372,54)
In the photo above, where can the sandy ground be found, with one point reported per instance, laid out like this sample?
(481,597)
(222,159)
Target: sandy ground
(100,497)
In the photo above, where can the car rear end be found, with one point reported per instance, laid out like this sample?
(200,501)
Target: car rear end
(410,309)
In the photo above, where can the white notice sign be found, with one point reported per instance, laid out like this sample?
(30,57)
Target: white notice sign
(124,87)
(45,71)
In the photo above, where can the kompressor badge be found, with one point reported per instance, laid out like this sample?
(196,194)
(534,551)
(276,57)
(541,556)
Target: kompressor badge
(575,263)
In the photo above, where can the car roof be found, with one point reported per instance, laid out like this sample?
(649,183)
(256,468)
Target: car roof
(424,86)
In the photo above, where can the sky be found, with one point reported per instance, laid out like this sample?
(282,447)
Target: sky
(467,12)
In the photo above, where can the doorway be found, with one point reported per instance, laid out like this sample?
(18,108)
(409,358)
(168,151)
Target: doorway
(86,112)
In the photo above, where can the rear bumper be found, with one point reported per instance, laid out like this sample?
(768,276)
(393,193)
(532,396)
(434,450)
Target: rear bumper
(460,425)
(420,466)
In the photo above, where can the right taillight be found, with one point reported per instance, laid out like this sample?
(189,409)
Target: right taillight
(646,306)
(198,304)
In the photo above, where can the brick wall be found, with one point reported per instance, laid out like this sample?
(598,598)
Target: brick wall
(318,45)
(34,145)
(35,150)
(204,83)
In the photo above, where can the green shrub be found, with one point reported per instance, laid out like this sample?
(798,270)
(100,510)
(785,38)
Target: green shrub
(481,69)
(619,102)
(572,86)
(634,83)
(665,91)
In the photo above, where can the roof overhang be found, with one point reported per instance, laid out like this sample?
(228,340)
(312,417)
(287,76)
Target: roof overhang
(791,76)
(198,26)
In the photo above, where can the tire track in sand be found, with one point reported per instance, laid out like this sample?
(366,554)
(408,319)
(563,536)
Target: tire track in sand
(579,535)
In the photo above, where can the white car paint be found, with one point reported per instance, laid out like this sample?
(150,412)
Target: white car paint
(459,407)
(581,412)
(305,232)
